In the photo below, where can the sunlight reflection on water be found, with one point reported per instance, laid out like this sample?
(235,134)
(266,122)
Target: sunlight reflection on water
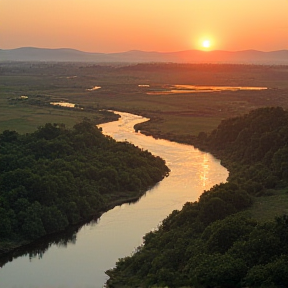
(182,89)
(63,104)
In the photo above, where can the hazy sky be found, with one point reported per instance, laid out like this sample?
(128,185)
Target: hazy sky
(150,25)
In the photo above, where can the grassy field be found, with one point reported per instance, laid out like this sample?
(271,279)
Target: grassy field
(182,114)
(26,118)
(265,208)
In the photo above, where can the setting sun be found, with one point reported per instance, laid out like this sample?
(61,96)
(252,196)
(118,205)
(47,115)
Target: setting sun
(206,44)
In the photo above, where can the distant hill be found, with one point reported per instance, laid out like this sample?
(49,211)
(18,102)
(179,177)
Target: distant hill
(190,56)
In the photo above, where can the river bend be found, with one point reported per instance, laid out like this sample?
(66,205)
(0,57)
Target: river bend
(97,247)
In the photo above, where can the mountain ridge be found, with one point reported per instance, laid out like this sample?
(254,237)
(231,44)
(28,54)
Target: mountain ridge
(278,57)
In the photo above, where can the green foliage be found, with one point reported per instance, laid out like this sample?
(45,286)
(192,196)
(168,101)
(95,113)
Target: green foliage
(55,177)
(233,252)
(257,142)
(214,209)
(217,270)
(221,235)
(208,243)
(274,274)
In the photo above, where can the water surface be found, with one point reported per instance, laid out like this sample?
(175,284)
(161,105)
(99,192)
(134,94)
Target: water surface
(97,246)
(63,104)
(183,89)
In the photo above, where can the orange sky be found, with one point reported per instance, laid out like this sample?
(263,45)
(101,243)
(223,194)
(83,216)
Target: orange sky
(158,25)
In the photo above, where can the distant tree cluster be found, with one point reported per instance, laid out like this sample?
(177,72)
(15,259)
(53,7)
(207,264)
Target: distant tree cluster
(254,147)
(208,243)
(55,177)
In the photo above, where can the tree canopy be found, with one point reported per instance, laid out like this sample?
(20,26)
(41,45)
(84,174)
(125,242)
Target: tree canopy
(55,177)
(210,243)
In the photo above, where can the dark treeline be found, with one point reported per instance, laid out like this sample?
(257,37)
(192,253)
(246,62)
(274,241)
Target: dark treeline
(211,243)
(254,148)
(55,177)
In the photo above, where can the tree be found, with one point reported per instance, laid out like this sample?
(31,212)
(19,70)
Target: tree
(215,209)
(218,270)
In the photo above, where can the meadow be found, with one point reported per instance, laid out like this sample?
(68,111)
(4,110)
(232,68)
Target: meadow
(131,88)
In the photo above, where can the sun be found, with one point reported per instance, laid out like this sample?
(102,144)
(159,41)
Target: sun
(206,44)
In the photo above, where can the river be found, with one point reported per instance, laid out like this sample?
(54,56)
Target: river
(97,246)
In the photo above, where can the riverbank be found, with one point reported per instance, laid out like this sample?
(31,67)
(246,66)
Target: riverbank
(120,230)
(11,250)
(263,208)
(214,242)
(60,178)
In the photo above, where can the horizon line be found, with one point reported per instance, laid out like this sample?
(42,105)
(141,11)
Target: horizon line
(145,51)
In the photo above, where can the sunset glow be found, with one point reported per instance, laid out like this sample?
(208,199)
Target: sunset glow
(162,25)
(206,43)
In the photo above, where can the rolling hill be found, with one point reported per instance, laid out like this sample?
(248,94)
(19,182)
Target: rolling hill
(135,56)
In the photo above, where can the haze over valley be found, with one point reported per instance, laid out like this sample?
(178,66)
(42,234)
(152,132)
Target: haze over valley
(189,56)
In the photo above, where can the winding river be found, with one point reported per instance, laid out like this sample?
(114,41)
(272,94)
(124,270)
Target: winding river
(97,246)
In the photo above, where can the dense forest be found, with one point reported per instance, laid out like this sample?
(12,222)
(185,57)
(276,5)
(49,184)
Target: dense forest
(211,242)
(56,177)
